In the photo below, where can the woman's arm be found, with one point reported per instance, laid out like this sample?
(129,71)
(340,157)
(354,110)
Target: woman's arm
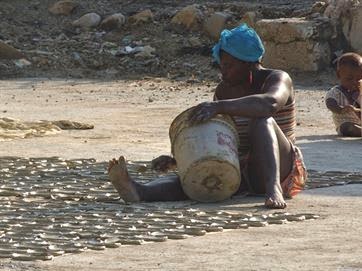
(277,88)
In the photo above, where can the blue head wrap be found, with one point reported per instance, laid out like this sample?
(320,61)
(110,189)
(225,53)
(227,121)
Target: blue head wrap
(241,42)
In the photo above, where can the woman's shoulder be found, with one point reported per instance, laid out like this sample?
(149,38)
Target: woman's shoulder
(275,73)
(269,76)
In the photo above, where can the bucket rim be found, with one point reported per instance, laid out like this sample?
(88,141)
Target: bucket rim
(176,125)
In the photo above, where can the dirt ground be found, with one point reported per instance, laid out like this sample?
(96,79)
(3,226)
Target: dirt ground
(132,117)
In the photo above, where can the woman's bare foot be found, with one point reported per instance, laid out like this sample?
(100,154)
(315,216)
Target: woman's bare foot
(118,174)
(275,200)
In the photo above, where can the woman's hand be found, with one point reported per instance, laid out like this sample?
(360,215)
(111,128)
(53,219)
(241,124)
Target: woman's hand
(204,112)
(163,163)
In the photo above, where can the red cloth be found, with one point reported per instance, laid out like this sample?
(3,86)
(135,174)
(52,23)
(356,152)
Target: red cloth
(295,181)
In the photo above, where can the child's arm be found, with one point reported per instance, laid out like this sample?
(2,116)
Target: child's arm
(333,106)
(164,163)
(336,108)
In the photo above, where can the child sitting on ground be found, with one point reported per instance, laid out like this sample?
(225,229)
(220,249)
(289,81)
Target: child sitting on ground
(344,100)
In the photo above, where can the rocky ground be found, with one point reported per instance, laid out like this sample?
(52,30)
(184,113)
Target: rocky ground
(55,47)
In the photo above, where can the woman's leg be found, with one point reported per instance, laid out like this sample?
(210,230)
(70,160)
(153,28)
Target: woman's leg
(163,189)
(271,160)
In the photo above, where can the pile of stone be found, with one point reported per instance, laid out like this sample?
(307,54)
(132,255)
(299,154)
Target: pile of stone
(302,44)
(178,39)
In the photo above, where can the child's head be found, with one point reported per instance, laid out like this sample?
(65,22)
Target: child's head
(349,71)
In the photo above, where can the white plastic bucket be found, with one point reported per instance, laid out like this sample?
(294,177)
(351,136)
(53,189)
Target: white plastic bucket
(207,157)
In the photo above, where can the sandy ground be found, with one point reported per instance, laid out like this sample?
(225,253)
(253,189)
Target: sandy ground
(132,118)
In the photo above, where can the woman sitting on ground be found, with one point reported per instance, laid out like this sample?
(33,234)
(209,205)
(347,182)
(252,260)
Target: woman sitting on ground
(261,102)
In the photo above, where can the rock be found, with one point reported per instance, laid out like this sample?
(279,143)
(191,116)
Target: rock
(285,30)
(63,7)
(72,125)
(195,42)
(352,26)
(250,18)
(142,17)
(146,52)
(189,65)
(9,52)
(109,47)
(127,39)
(128,50)
(286,36)
(12,128)
(112,22)
(21,63)
(319,7)
(297,55)
(188,17)
(40,61)
(337,9)
(88,20)
(77,59)
(113,36)
(215,24)
(139,51)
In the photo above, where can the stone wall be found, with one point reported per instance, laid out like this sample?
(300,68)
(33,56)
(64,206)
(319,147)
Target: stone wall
(309,43)
(352,28)
(296,43)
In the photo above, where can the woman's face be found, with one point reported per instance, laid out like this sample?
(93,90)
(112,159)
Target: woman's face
(233,70)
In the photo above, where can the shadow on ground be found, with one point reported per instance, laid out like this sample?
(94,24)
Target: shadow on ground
(315,147)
